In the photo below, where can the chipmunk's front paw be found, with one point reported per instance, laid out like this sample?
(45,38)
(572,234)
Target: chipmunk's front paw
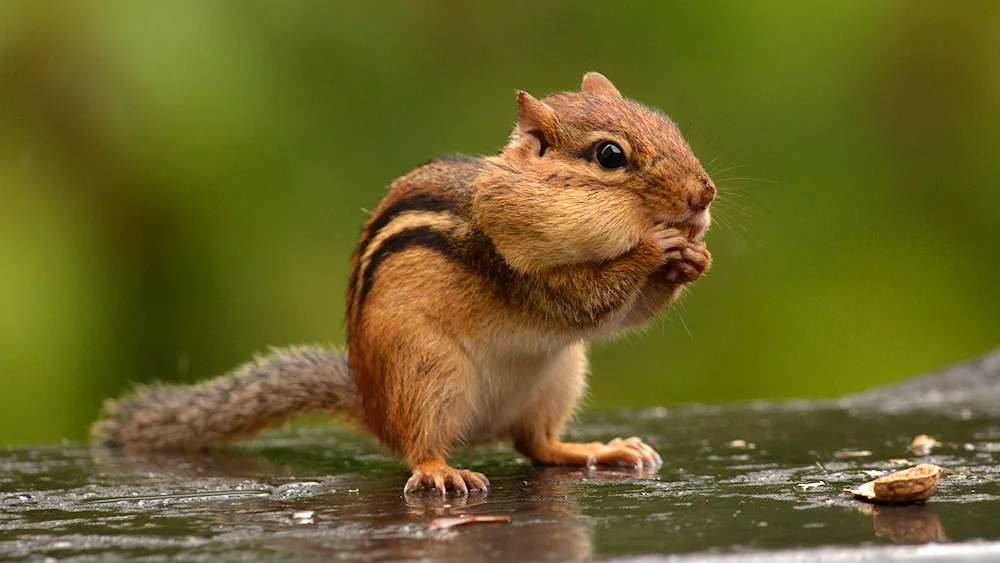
(687,264)
(444,478)
(671,241)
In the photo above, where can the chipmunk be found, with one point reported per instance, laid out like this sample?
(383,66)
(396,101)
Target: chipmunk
(474,290)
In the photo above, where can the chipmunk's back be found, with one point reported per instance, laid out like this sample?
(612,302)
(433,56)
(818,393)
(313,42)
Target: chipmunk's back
(428,207)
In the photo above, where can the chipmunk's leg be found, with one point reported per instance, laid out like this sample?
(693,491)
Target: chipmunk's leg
(536,434)
(434,393)
(437,401)
(417,383)
(683,266)
(428,408)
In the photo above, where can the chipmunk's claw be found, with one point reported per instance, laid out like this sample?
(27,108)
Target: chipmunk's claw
(444,479)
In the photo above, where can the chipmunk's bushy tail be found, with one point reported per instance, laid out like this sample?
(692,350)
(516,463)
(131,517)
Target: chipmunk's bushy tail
(271,389)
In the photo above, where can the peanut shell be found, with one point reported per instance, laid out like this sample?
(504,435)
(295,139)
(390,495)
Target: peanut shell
(909,485)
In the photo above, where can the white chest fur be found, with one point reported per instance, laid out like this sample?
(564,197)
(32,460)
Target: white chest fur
(508,384)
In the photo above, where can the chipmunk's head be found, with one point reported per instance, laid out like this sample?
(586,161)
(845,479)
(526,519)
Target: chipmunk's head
(604,166)
(610,142)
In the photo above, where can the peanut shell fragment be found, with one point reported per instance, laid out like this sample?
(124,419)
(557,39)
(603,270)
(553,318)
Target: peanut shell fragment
(923,444)
(909,485)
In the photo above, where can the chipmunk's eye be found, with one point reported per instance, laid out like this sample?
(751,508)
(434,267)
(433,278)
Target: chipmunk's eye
(610,156)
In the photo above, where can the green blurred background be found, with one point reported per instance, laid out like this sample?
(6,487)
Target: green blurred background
(183,182)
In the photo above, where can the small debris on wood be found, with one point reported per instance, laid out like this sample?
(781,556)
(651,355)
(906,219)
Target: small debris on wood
(909,485)
(446,522)
(807,486)
(922,445)
(743,444)
(852,453)
(952,474)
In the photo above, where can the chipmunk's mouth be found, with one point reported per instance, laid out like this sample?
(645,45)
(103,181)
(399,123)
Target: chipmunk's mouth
(694,225)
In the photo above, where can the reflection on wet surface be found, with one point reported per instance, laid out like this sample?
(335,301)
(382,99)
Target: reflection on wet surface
(738,479)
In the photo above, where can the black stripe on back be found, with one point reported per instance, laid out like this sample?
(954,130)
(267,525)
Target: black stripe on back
(416,202)
(424,237)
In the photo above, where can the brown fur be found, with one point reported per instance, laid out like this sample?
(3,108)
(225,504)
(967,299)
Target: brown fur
(474,289)
(271,389)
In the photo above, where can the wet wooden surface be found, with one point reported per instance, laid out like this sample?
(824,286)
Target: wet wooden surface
(761,481)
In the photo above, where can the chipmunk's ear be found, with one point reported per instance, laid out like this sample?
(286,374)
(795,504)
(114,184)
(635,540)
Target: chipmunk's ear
(596,83)
(535,119)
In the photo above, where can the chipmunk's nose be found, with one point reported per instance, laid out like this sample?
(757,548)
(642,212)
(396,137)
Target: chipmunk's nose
(702,195)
